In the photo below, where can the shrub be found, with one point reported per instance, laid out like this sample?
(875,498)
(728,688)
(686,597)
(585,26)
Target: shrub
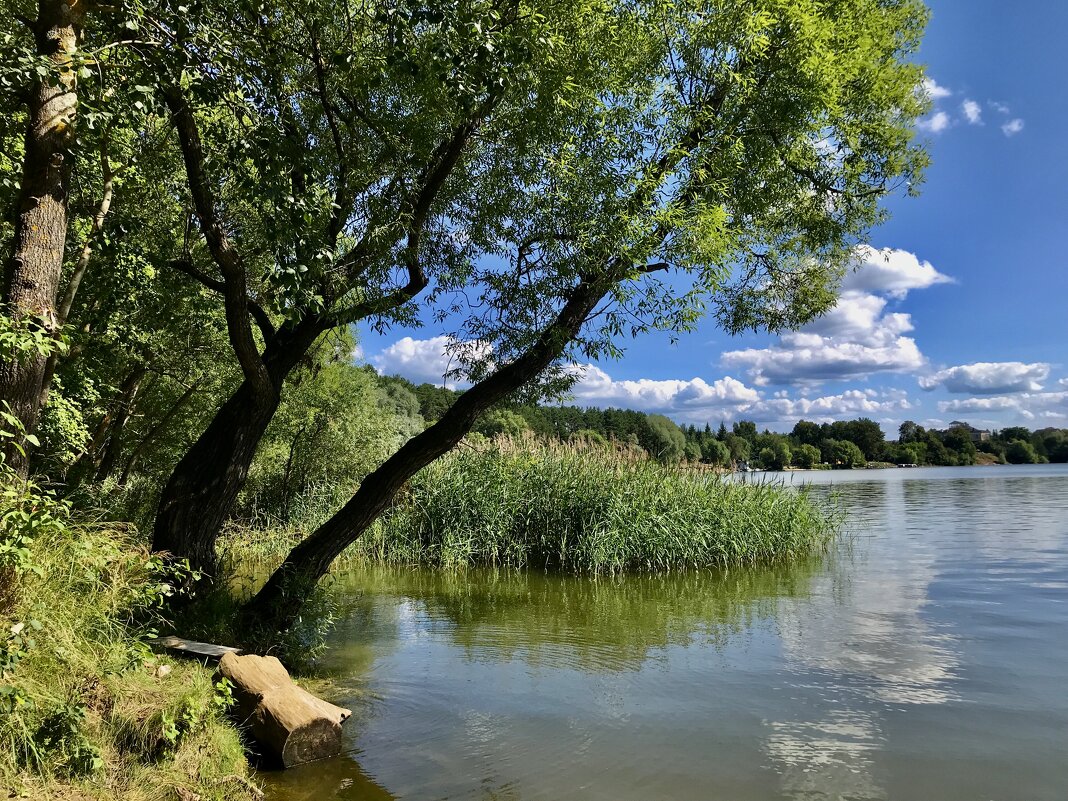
(86,710)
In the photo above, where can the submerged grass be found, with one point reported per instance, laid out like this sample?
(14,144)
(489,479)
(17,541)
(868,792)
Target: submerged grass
(86,710)
(590,510)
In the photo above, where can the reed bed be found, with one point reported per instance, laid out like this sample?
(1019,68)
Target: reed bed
(588,509)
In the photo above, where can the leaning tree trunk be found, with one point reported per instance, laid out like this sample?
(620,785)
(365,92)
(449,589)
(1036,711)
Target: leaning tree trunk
(108,433)
(149,438)
(201,492)
(33,273)
(123,413)
(279,602)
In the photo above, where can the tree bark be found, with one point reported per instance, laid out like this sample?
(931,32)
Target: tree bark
(66,302)
(279,602)
(33,273)
(200,493)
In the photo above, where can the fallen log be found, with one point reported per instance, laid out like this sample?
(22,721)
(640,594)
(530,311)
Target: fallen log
(288,722)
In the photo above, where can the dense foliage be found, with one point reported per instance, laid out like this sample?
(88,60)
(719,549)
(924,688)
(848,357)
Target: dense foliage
(205,196)
(87,710)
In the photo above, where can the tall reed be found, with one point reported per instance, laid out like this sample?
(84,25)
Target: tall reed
(588,509)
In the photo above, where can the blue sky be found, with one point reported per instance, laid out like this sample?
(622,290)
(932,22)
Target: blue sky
(961,313)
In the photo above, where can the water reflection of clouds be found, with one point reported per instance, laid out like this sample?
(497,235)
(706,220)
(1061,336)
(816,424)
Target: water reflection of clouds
(875,642)
(830,758)
(859,645)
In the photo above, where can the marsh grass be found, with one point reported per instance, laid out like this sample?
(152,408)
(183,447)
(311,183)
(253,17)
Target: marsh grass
(86,710)
(587,509)
(579,507)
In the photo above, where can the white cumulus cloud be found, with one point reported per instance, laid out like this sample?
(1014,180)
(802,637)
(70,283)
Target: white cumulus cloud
(424,360)
(694,398)
(893,272)
(1012,127)
(848,404)
(933,90)
(802,358)
(697,400)
(1027,405)
(989,378)
(936,123)
(973,112)
(858,337)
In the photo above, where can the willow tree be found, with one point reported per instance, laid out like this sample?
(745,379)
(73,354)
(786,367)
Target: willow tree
(340,161)
(722,157)
(541,178)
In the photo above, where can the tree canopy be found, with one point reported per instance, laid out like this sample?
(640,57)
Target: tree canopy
(538,180)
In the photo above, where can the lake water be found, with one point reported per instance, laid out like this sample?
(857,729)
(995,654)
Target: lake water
(926,659)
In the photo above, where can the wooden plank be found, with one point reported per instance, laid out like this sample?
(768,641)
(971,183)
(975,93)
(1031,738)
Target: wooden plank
(191,648)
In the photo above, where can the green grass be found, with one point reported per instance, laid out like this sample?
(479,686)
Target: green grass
(589,510)
(86,710)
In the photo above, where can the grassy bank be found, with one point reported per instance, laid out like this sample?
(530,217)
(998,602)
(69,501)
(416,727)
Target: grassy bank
(86,710)
(590,510)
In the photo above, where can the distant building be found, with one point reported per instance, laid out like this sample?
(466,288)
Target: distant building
(975,434)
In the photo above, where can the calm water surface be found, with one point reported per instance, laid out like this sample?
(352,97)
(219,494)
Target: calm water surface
(925,659)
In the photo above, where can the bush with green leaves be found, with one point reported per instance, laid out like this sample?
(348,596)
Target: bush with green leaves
(86,709)
(777,455)
(843,453)
(329,431)
(1020,451)
(806,456)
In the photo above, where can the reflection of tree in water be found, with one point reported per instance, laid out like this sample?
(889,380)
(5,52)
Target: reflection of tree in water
(341,778)
(366,629)
(590,624)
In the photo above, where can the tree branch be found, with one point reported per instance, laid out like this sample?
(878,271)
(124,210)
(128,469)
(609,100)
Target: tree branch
(443,161)
(337,217)
(263,321)
(108,174)
(814,179)
(223,252)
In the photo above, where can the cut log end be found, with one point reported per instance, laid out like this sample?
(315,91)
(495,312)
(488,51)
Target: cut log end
(288,722)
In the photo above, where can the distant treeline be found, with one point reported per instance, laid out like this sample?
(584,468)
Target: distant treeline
(841,444)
